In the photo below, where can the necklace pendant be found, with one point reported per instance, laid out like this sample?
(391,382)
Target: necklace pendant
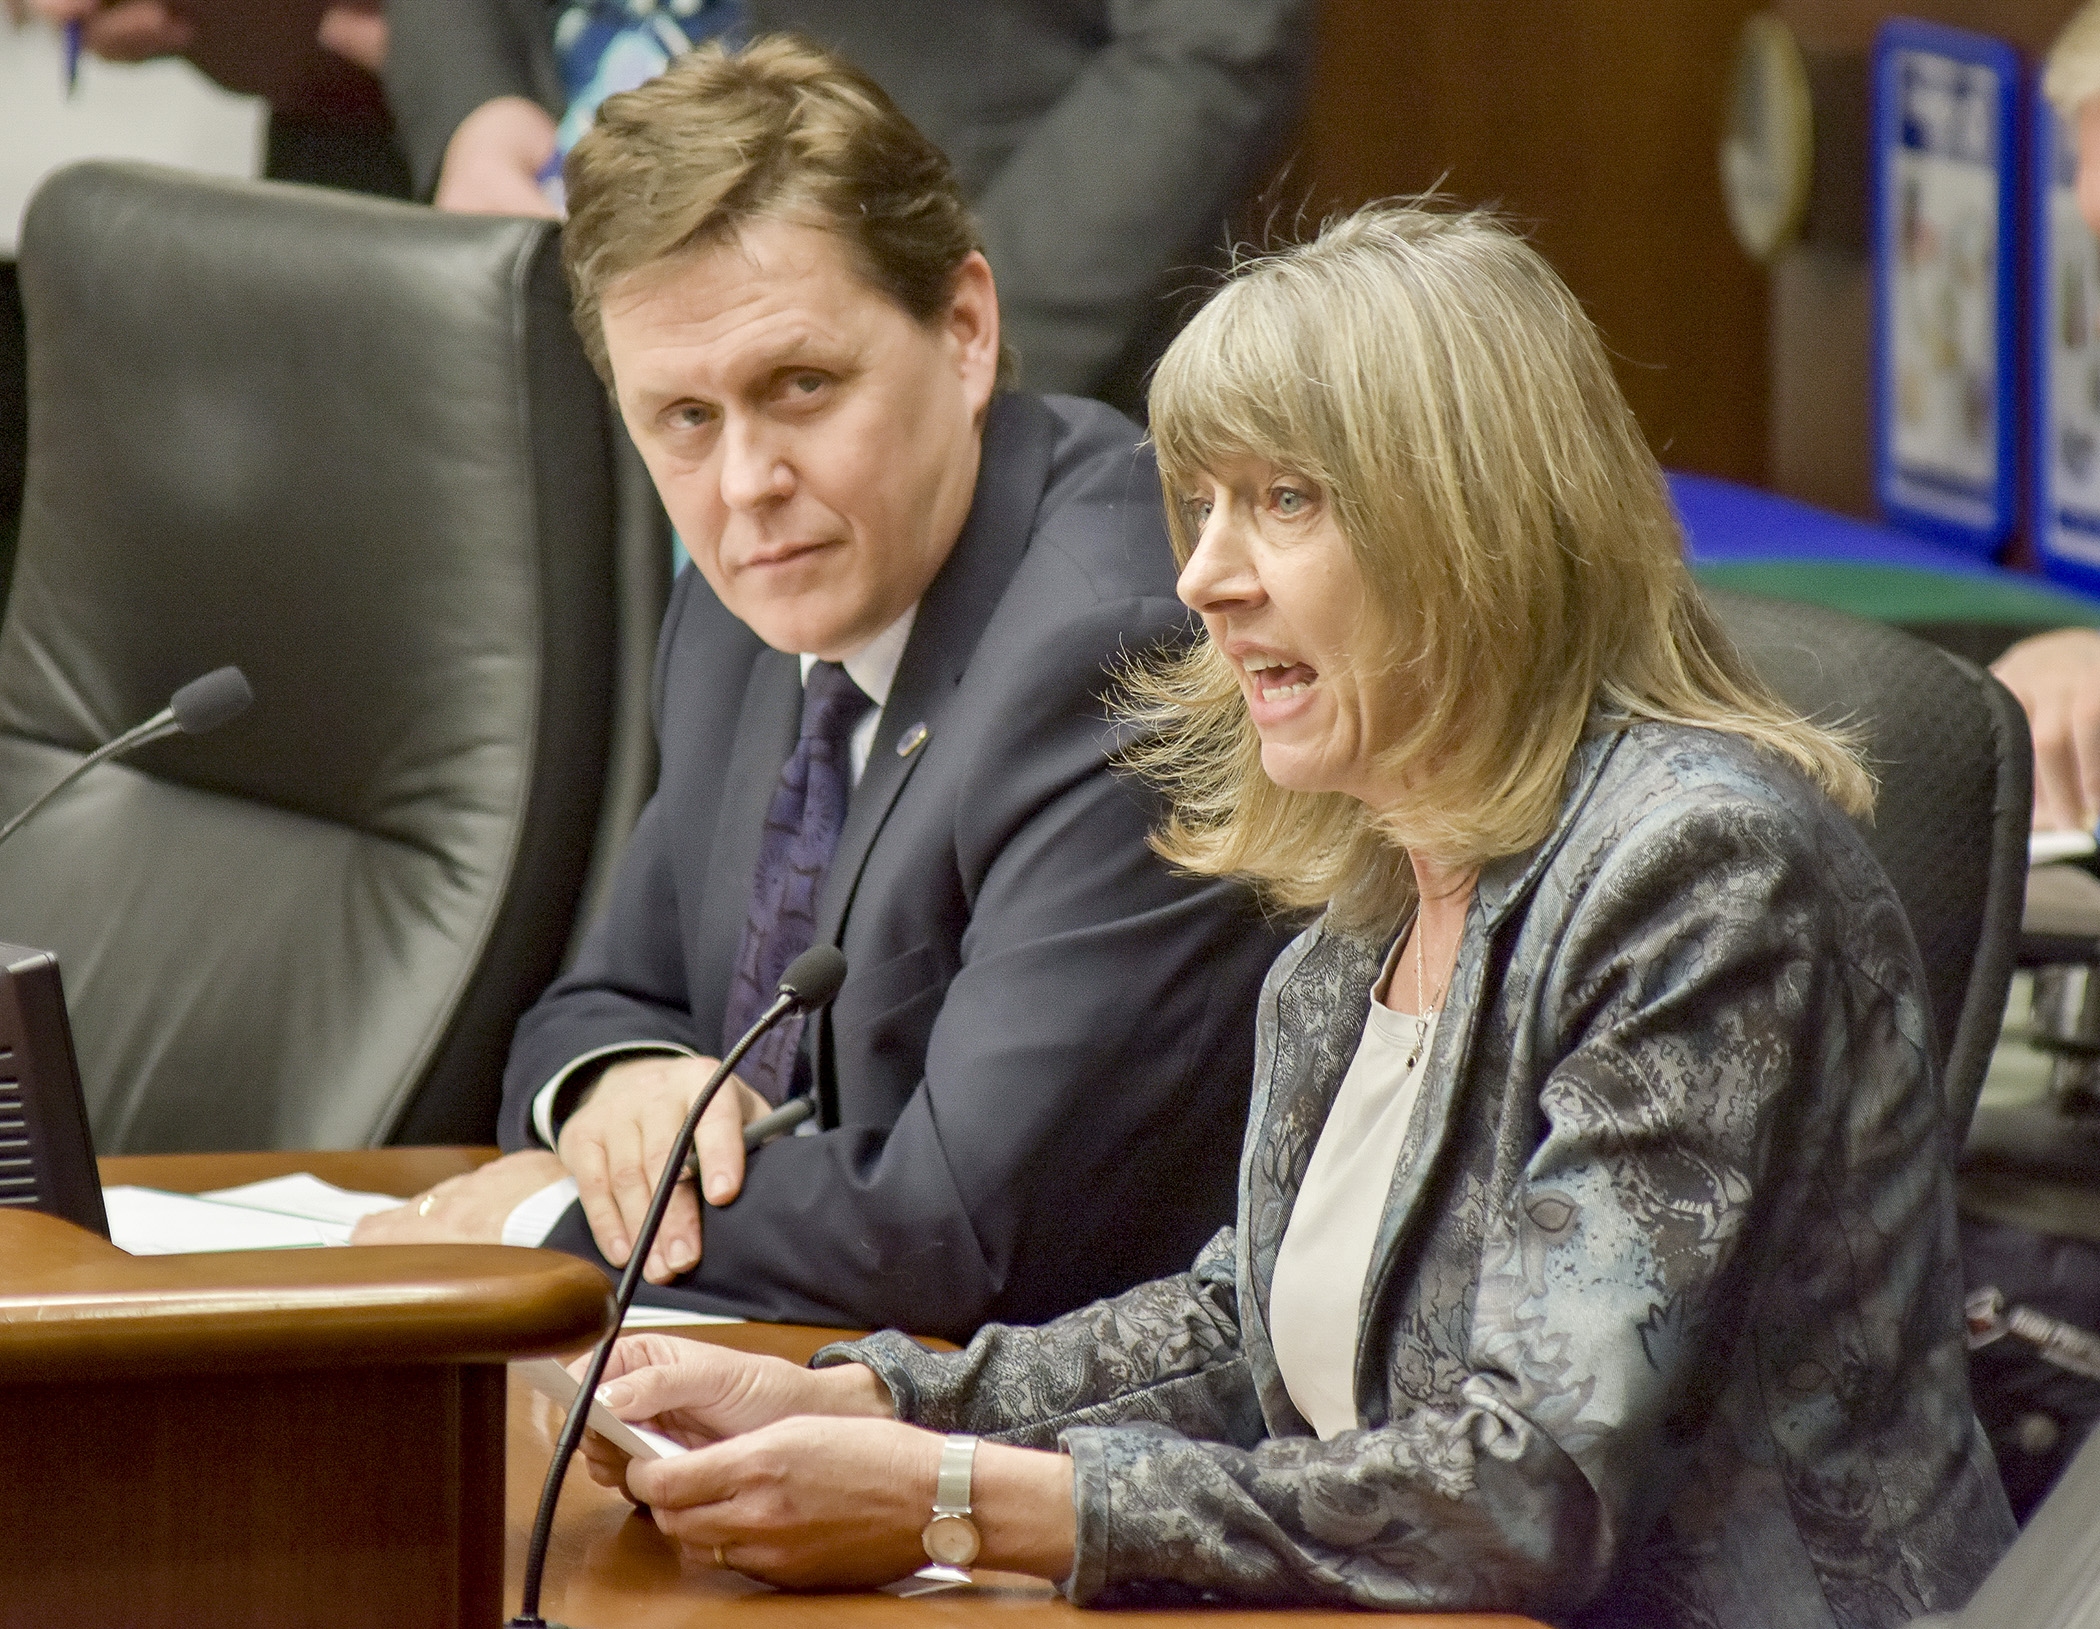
(1420,1043)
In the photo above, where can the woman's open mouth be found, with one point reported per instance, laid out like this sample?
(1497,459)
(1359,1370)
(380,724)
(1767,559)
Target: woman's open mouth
(1277,680)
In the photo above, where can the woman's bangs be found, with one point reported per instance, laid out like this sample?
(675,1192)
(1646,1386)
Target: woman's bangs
(1239,382)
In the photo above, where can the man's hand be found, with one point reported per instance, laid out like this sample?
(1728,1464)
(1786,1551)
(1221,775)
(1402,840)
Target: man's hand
(616,1144)
(467,1209)
(133,30)
(2056,678)
(492,163)
(57,13)
(129,31)
(356,31)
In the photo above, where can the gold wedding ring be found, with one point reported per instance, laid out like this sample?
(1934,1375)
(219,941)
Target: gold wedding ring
(429,1199)
(721,1558)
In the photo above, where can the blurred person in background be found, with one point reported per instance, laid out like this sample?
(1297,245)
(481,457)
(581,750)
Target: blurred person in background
(1101,145)
(2056,675)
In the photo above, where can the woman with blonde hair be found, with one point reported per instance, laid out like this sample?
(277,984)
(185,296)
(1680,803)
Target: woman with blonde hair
(1595,1251)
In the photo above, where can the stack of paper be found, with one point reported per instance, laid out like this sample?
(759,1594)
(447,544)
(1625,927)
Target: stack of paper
(287,1212)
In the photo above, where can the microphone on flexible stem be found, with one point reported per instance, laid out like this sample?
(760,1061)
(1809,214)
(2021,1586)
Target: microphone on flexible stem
(809,983)
(203,704)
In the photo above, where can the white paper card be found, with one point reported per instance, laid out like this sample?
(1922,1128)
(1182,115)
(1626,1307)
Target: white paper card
(148,1222)
(305,1195)
(671,1318)
(547,1376)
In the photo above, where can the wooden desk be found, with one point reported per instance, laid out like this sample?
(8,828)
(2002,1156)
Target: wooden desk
(606,1568)
(263,1438)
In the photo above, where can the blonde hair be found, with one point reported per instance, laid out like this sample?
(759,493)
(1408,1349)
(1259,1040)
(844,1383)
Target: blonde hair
(779,130)
(1523,568)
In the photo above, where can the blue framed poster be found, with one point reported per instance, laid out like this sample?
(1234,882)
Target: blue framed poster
(2064,360)
(1946,284)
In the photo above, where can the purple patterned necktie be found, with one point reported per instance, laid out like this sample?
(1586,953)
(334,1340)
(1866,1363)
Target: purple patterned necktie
(802,830)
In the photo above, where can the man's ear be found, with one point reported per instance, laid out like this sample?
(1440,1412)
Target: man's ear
(973,323)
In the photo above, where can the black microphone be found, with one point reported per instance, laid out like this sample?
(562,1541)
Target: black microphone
(202,704)
(809,983)
(220,697)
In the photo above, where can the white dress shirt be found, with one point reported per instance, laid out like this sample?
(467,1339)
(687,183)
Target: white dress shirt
(874,668)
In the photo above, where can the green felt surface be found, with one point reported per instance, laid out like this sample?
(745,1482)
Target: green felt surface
(1900,594)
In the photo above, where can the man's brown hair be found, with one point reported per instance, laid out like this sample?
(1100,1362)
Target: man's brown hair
(778,131)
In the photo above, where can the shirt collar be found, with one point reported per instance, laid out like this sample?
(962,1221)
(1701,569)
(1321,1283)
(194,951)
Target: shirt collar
(874,666)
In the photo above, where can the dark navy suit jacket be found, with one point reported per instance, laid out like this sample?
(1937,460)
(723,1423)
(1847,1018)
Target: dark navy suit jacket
(1033,1081)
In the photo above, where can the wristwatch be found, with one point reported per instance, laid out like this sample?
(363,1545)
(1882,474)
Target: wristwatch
(951,1538)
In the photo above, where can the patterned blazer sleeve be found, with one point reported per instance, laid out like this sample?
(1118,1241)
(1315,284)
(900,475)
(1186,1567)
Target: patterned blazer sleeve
(1167,1350)
(1589,1278)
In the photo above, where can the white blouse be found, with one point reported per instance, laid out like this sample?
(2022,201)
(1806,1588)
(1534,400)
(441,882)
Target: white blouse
(1316,1296)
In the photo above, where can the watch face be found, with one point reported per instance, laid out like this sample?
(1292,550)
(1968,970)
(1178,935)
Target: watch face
(951,1540)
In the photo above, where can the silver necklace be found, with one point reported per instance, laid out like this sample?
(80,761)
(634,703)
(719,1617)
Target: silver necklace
(1424,1012)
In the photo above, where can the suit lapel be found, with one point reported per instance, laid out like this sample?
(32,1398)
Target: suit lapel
(1319,1026)
(1443,1079)
(765,734)
(1310,1045)
(1504,889)
(1019,436)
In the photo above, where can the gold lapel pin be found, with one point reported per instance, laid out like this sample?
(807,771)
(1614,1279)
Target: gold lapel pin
(911,740)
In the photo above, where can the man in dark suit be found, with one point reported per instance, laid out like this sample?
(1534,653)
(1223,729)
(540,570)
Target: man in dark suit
(1102,144)
(880,706)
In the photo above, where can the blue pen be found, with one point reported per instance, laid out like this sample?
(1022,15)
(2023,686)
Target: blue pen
(72,57)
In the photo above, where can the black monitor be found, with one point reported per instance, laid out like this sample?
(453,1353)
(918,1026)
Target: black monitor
(47,1156)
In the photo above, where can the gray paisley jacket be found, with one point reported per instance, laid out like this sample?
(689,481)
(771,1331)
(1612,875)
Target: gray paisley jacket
(1663,1323)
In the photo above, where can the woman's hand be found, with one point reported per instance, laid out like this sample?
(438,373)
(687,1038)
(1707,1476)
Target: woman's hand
(808,1503)
(696,1393)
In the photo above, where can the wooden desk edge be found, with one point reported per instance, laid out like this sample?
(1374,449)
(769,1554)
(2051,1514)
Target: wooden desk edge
(402,1171)
(73,1304)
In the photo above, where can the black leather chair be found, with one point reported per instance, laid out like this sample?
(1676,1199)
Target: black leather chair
(354,447)
(1950,748)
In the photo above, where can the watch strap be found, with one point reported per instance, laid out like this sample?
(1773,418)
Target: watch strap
(951,1486)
